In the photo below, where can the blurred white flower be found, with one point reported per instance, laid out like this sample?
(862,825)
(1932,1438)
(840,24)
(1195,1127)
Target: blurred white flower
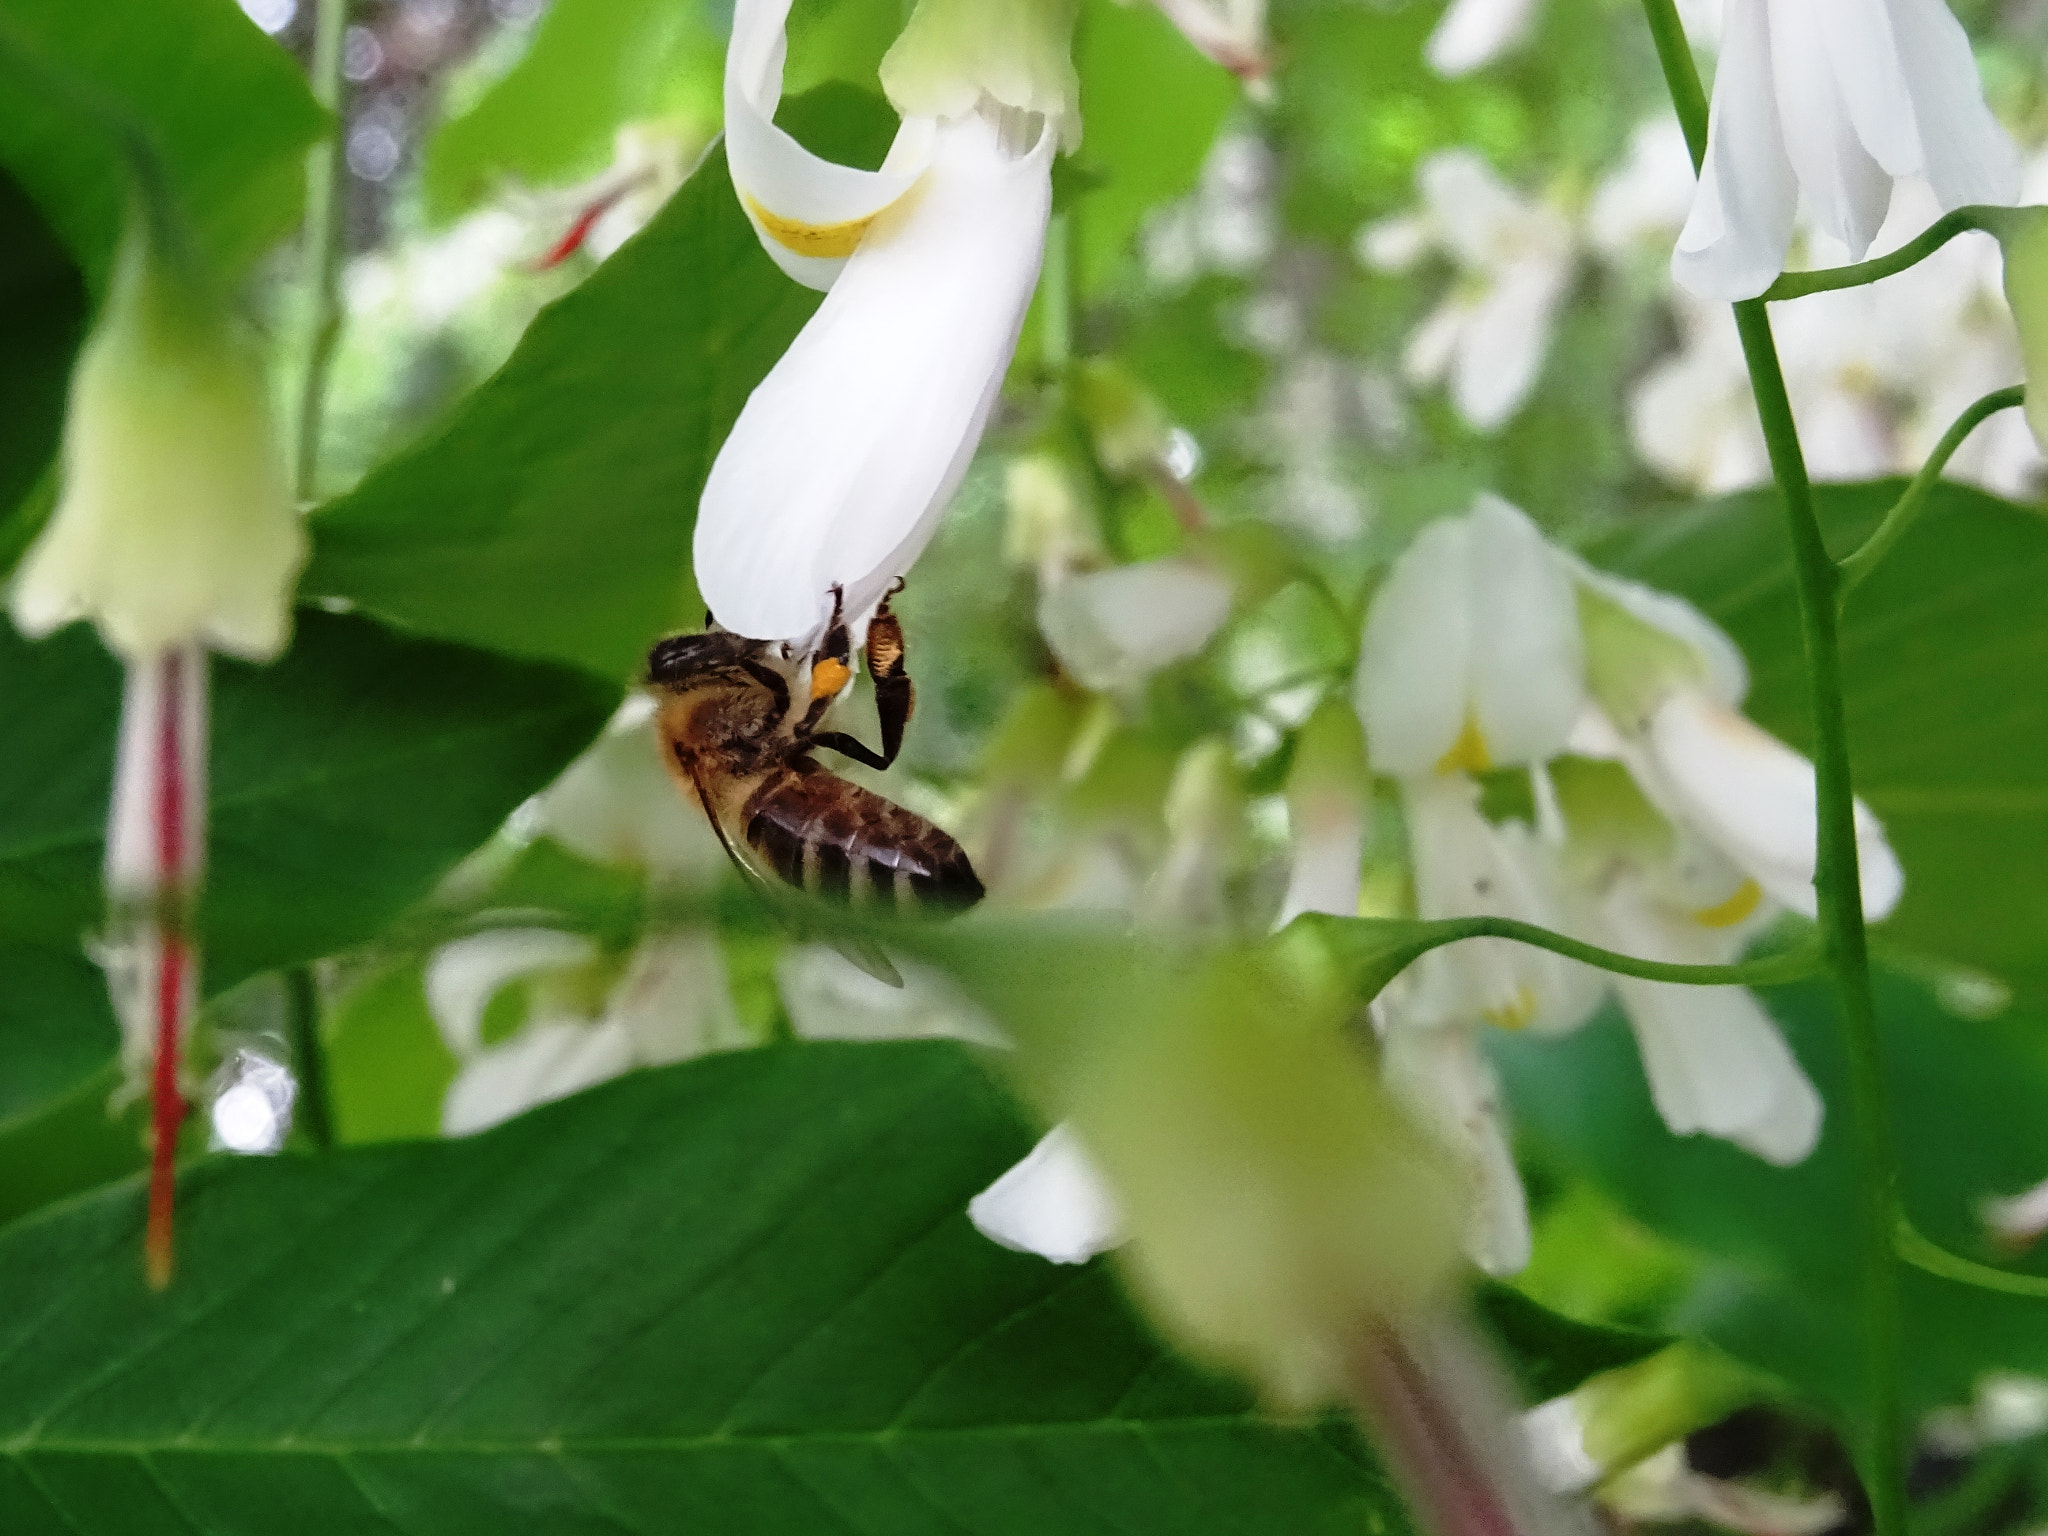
(583,1023)
(1664,1489)
(1329,803)
(1514,257)
(845,456)
(1644,200)
(1114,628)
(830,998)
(1474,33)
(1834,102)
(1232,33)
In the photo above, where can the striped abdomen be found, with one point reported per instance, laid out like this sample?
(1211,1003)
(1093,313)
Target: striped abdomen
(833,838)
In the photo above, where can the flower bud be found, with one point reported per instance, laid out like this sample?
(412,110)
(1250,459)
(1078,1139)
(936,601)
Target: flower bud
(1017,53)
(174,523)
(2023,235)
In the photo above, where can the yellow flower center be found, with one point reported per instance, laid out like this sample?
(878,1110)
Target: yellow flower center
(1468,753)
(1726,914)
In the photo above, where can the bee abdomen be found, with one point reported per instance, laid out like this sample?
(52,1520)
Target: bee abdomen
(834,839)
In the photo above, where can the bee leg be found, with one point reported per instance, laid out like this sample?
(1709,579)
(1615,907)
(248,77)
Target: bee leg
(894,696)
(831,665)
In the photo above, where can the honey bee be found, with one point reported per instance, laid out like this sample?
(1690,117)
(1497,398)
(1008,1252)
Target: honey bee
(739,726)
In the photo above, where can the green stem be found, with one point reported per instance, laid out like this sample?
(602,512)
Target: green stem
(1837,880)
(1922,1252)
(1913,501)
(314,1113)
(1796,285)
(324,166)
(1773,970)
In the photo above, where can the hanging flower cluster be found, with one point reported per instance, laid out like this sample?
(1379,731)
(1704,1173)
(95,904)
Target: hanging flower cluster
(844,457)
(1653,819)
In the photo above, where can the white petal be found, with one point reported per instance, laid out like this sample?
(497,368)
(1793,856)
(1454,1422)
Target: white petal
(674,1001)
(462,977)
(810,212)
(542,1062)
(1859,51)
(1053,1204)
(1846,190)
(1444,1078)
(843,459)
(1727,671)
(1649,195)
(1325,874)
(1503,341)
(1473,33)
(1733,244)
(1717,1064)
(1112,629)
(1965,155)
(1752,797)
(1414,668)
(1528,661)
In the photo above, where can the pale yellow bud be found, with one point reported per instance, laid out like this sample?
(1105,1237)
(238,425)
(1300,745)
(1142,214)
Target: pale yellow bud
(956,55)
(174,523)
(2023,234)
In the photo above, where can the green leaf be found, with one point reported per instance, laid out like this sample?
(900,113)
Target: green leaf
(552,518)
(741,1294)
(71,1142)
(225,107)
(591,66)
(1782,1243)
(1551,1353)
(387,1065)
(346,779)
(1943,653)
(42,315)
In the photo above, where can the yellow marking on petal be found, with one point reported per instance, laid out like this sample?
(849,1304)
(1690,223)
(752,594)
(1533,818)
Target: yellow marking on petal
(1468,753)
(828,676)
(826,240)
(1727,914)
(1513,1015)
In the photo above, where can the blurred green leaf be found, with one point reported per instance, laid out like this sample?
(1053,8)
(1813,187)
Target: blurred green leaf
(1943,649)
(740,1294)
(225,107)
(1550,1353)
(591,66)
(346,779)
(387,1066)
(1782,1243)
(552,517)
(69,1142)
(1150,108)
(42,315)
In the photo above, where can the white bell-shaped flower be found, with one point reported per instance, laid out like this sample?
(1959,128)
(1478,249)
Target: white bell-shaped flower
(1473,33)
(1053,1203)
(1472,657)
(844,457)
(1834,100)
(174,525)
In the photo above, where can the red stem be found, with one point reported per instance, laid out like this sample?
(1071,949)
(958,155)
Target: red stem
(168,922)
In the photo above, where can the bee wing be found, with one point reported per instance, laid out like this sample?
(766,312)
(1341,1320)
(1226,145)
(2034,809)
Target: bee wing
(775,894)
